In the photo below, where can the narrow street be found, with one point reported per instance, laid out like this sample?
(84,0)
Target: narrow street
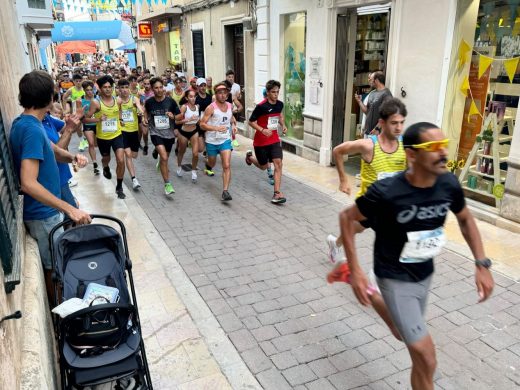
(261,268)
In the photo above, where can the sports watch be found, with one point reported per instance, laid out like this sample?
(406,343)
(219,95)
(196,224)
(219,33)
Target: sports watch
(486,263)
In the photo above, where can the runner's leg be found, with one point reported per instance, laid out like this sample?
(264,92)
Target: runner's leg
(225,158)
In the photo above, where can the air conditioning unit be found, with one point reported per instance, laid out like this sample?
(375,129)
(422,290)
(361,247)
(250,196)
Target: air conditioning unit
(249,23)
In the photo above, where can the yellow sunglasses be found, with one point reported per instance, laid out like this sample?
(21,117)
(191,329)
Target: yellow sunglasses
(432,146)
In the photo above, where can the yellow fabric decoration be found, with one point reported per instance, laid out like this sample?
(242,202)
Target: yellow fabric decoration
(464,49)
(510,66)
(473,110)
(465,86)
(483,65)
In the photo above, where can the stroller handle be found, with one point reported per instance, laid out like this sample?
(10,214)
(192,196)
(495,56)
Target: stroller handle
(92,216)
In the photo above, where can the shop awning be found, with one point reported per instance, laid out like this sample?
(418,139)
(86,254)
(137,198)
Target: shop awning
(162,14)
(81,47)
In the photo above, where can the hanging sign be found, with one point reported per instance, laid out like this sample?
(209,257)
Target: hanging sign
(144,30)
(175,47)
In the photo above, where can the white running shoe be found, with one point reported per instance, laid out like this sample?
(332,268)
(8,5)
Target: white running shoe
(135,184)
(194,176)
(372,286)
(179,171)
(335,252)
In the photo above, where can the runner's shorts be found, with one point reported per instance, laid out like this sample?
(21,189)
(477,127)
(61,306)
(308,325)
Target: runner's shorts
(166,142)
(104,145)
(131,140)
(213,150)
(267,153)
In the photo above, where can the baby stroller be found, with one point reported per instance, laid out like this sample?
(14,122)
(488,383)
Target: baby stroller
(103,342)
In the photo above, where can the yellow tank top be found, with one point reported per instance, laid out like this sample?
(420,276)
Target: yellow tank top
(129,114)
(176,97)
(382,165)
(76,94)
(109,128)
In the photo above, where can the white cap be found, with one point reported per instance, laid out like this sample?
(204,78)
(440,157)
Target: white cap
(200,81)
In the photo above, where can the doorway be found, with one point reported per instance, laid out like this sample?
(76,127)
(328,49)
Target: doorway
(234,37)
(361,48)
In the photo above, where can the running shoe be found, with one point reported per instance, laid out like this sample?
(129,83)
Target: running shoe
(270,176)
(249,153)
(373,286)
(235,143)
(155,154)
(72,183)
(209,172)
(335,253)
(96,170)
(341,273)
(135,184)
(226,196)
(168,189)
(83,144)
(120,193)
(194,176)
(107,173)
(179,171)
(145,150)
(278,198)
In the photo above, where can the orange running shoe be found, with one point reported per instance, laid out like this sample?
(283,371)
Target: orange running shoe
(341,273)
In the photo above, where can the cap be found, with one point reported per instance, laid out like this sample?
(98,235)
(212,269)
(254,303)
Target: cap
(200,81)
(193,79)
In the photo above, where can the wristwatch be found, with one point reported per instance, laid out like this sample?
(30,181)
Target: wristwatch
(486,263)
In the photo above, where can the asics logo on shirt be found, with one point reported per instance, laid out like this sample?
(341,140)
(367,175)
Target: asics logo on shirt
(422,213)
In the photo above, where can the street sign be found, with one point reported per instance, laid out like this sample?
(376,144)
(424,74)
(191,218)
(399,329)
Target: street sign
(144,30)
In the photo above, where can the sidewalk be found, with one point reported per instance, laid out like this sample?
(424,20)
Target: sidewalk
(185,346)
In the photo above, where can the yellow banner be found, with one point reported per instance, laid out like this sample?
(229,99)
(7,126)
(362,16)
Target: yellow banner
(464,49)
(484,63)
(465,86)
(473,110)
(175,47)
(510,66)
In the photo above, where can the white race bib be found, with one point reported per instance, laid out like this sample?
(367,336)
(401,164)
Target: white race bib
(109,125)
(162,122)
(423,245)
(384,175)
(272,122)
(128,116)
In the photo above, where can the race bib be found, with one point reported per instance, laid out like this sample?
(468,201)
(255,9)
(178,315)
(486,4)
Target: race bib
(128,116)
(109,125)
(423,245)
(272,122)
(162,122)
(384,175)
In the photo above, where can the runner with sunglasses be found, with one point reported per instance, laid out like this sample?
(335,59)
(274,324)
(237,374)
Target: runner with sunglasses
(407,212)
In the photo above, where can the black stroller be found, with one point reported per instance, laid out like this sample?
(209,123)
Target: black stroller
(100,343)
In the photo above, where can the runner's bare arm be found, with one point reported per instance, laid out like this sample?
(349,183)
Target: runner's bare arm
(181,120)
(361,146)
(282,121)
(204,121)
(259,128)
(469,229)
(358,279)
(237,103)
(138,105)
(94,107)
(65,97)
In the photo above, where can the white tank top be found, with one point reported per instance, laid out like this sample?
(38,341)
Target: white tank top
(219,118)
(191,116)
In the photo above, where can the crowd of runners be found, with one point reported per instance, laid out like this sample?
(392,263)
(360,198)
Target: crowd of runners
(405,190)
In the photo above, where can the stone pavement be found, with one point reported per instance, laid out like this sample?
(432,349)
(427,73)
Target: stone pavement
(260,269)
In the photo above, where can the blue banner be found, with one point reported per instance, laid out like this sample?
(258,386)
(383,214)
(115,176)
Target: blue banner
(82,31)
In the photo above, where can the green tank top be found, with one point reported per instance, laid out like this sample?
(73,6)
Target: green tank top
(75,94)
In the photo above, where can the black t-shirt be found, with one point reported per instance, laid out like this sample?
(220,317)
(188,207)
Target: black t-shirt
(402,214)
(203,102)
(158,122)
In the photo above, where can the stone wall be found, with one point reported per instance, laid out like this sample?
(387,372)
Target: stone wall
(311,138)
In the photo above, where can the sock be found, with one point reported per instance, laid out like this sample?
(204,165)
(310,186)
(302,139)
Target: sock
(208,167)
(95,164)
(119,184)
(133,177)
(166,182)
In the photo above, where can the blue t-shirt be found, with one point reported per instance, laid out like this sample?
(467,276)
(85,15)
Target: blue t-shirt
(52,126)
(86,107)
(29,141)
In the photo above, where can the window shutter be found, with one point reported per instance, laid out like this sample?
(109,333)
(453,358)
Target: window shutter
(198,53)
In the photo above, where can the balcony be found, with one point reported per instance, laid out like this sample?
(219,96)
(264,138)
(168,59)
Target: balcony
(36,14)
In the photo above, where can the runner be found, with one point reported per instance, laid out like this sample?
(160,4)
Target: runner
(381,155)
(267,119)
(129,109)
(203,100)
(160,114)
(219,124)
(190,117)
(73,94)
(108,131)
(89,129)
(408,212)
(178,92)
(143,129)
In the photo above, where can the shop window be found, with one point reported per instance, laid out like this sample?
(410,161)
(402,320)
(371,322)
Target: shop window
(295,26)
(37,4)
(198,53)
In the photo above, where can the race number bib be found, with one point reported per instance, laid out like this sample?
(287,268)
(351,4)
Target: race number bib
(109,125)
(162,122)
(128,116)
(384,175)
(272,122)
(423,245)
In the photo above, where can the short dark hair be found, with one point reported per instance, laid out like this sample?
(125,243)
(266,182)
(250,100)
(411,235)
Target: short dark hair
(146,71)
(378,75)
(392,106)
(77,76)
(132,78)
(412,135)
(230,71)
(271,84)
(36,89)
(105,79)
(156,80)
(123,82)
(87,83)
(222,84)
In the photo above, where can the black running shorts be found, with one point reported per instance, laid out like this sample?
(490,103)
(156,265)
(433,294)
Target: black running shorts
(268,153)
(104,145)
(166,142)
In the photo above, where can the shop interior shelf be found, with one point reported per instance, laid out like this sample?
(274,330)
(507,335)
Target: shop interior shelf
(502,156)
(476,190)
(478,173)
(505,138)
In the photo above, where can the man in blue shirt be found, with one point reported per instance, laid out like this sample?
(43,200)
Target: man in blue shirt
(35,158)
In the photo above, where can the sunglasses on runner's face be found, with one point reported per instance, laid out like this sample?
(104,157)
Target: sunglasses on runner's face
(432,146)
